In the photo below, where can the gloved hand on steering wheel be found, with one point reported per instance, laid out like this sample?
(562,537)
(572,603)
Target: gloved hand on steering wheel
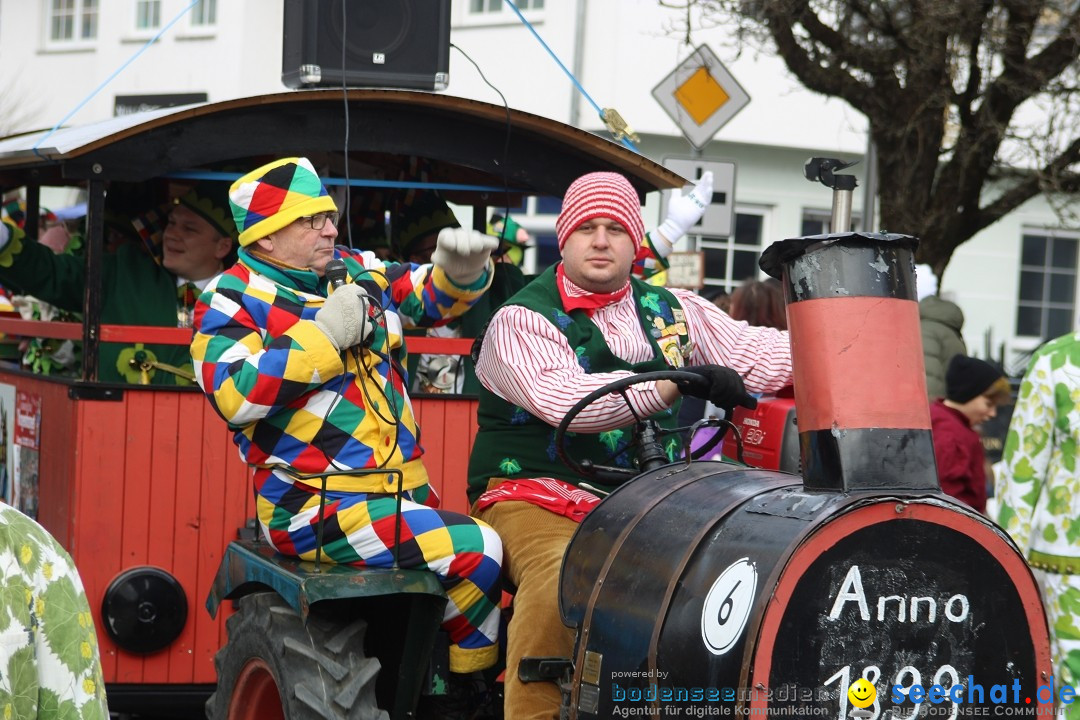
(721,386)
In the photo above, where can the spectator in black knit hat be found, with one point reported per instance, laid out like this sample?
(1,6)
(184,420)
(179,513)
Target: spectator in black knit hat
(973,390)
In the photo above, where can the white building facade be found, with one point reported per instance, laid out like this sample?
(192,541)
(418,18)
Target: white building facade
(87,60)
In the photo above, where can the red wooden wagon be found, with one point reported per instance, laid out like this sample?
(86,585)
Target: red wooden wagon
(142,484)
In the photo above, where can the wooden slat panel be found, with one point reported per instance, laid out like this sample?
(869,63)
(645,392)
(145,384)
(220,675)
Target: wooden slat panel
(457,434)
(237,496)
(99,502)
(447,428)
(213,536)
(433,439)
(185,529)
(162,480)
(135,518)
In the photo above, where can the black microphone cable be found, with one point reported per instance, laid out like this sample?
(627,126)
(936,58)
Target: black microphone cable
(336,272)
(503,165)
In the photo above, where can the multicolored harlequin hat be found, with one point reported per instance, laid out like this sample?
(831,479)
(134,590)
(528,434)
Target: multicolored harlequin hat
(276,194)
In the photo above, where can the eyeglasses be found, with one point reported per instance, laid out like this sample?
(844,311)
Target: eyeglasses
(318,221)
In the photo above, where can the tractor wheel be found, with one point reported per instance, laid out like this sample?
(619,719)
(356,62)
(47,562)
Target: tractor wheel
(275,666)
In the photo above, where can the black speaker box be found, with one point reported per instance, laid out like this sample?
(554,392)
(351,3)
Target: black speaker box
(387,43)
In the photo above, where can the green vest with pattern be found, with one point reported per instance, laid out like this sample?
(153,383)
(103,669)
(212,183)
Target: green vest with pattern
(513,443)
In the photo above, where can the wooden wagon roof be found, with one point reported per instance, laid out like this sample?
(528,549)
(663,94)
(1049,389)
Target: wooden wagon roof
(461,141)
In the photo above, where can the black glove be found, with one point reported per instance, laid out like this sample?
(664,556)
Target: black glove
(719,385)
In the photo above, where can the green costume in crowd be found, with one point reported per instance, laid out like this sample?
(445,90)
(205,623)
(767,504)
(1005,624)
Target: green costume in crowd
(1037,486)
(135,291)
(50,667)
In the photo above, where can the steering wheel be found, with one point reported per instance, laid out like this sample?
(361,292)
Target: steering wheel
(650,453)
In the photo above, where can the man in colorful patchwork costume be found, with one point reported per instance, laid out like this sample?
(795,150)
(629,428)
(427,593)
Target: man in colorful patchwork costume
(577,327)
(137,289)
(310,378)
(1037,487)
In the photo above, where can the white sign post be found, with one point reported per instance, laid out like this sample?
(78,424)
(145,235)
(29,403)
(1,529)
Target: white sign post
(686,270)
(700,95)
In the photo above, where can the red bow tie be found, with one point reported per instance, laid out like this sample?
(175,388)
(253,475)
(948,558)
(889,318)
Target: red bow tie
(589,303)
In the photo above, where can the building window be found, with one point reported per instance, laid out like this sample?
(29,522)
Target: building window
(204,13)
(147,14)
(730,261)
(816,222)
(1046,305)
(73,20)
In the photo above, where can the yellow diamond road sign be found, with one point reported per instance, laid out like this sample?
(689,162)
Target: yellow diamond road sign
(700,95)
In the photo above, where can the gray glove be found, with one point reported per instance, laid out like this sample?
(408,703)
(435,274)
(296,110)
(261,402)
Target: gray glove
(463,254)
(344,317)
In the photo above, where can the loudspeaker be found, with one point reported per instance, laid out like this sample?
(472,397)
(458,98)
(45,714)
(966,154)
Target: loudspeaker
(387,43)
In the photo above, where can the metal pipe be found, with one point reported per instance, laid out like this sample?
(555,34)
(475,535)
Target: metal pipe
(841,211)
(870,189)
(581,12)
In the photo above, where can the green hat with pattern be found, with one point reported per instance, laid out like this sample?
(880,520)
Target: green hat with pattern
(421,214)
(210,201)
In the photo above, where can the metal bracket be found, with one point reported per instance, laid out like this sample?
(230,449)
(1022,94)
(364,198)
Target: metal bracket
(617,126)
(93,391)
(544,669)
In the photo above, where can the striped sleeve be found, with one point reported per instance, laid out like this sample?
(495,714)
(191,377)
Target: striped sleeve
(761,355)
(526,361)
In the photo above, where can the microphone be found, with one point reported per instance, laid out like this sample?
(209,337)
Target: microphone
(336,272)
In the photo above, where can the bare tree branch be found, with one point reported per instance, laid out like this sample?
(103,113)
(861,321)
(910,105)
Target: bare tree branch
(1029,187)
(829,79)
(942,83)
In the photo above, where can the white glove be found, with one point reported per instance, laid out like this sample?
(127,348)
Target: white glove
(344,317)
(684,211)
(463,254)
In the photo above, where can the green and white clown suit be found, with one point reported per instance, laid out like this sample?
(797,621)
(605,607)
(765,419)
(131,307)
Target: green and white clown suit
(1038,490)
(50,667)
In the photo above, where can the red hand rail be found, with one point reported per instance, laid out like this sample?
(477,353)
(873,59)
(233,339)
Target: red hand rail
(182,336)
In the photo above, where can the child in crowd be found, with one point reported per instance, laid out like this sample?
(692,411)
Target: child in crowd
(973,390)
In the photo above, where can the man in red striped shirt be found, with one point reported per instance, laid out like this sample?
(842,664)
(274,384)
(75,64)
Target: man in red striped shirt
(576,328)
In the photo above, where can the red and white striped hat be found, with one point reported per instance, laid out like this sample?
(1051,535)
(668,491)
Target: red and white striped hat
(600,195)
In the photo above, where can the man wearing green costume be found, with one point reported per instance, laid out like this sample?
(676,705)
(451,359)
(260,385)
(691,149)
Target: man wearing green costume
(579,326)
(137,289)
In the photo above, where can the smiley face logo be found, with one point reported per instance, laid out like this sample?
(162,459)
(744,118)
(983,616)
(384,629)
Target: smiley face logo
(861,693)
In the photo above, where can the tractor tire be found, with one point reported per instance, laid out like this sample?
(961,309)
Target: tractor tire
(275,666)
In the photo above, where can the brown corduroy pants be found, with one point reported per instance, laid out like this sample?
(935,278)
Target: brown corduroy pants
(534,542)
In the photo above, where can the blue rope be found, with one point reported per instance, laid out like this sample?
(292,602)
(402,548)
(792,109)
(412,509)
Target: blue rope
(351,182)
(599,110)
(109,79)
